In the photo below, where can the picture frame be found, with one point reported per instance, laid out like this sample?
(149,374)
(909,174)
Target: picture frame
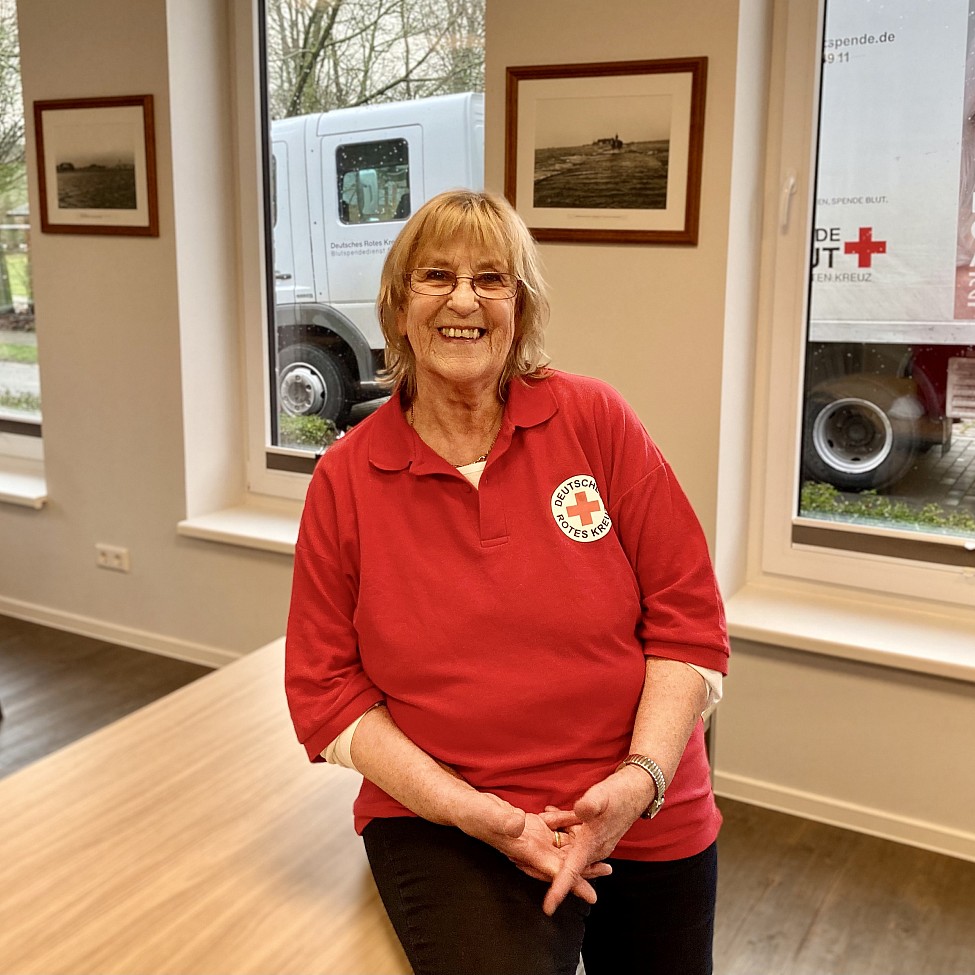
(607,152)
(96,166)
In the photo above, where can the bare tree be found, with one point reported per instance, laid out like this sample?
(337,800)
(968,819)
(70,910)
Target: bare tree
(459,61)
(11,103)
(326,54)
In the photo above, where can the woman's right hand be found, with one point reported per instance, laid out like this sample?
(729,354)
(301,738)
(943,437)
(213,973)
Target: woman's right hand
(435,791)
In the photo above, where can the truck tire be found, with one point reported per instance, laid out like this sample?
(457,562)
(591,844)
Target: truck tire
(859,435)
(313,382)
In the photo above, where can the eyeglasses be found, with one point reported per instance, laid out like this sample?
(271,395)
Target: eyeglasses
(485,284)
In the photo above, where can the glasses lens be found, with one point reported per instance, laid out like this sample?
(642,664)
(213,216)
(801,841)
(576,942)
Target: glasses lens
(487,284)
(432,281)
(494,284)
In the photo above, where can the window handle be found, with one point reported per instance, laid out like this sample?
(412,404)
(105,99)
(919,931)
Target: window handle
(785,200)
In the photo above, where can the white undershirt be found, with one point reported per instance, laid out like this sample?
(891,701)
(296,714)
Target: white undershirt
(339,751)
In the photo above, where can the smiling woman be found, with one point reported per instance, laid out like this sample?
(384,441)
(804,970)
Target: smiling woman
(460,342)
(500,245)
(456,321)
(578,582)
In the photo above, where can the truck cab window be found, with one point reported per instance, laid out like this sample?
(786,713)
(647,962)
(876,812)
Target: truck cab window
(888,437)
(373,181)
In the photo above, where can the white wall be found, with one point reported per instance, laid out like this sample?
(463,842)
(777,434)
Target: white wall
(870,748)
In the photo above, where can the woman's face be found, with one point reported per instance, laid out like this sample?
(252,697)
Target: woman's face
(460,339)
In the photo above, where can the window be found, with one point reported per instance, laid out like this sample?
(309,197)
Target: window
(889,419)
(20,392)
(369,109)
(872,331)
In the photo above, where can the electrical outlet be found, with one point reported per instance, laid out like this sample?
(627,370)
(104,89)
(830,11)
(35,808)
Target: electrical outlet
(112,557)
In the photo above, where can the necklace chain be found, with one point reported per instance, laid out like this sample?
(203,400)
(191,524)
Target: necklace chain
(478,460)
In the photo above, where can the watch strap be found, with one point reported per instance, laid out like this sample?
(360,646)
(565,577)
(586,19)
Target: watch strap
(656,773)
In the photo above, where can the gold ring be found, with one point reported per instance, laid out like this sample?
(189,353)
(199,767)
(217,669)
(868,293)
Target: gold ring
(558,839)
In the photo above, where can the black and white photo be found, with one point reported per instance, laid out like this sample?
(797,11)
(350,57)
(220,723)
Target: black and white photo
(607,152)
(96,166)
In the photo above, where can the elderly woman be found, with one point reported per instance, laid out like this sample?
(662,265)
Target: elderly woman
(504,617)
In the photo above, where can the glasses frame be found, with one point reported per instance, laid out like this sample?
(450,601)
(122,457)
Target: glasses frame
(408,275)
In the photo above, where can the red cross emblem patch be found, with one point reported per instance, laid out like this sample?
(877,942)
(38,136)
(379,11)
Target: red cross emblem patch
(579,510)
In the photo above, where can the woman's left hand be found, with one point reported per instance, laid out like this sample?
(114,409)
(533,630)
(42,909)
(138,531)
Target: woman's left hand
(596,824)
(535,852)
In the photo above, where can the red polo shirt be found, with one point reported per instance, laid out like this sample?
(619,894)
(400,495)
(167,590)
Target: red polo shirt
(506,628)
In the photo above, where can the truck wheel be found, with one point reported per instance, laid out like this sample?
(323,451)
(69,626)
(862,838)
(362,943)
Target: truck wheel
(313,382)
(859,435)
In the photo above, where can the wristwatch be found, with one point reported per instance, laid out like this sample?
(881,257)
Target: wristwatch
(653,770)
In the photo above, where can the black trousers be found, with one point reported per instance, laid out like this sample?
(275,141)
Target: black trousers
(459,907)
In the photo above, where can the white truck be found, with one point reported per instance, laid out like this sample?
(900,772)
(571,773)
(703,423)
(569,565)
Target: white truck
(344,183)
(890,358)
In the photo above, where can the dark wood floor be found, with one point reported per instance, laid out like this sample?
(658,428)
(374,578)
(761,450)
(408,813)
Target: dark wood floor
(56,687)
(795,897)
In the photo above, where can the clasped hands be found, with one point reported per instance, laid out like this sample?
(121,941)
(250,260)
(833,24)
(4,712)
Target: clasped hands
(589,833)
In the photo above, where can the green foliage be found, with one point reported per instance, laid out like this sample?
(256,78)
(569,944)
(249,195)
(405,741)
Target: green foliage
(306,431)
(10,352)
(18,273)
(870,507)
(22,402)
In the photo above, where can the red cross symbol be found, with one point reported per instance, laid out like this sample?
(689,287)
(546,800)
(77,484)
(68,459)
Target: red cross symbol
(865,247)
(583,508)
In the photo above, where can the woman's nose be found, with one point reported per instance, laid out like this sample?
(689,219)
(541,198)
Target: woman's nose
(463,298)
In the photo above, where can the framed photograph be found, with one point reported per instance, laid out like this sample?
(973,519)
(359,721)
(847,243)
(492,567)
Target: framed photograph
(607,152)
(96,165)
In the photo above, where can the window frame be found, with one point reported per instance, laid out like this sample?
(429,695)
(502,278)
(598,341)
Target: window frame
(776,555)
(272,470)
(255,288)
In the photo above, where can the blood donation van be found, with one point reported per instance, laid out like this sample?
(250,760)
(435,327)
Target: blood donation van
(890,358)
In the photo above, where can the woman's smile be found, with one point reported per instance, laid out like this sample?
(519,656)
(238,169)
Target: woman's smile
(467,333)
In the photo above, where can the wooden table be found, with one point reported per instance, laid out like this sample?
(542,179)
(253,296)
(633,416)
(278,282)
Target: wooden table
(190,837)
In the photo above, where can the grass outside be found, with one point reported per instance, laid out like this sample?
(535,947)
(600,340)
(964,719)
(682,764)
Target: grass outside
(869,508)
(18,272)
(306,431)
(18,353)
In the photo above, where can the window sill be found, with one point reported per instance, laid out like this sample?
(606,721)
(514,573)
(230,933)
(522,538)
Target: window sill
(269,524)
(928,638)
(22,483)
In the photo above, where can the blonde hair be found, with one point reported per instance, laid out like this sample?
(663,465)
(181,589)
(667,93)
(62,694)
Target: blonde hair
(482,220)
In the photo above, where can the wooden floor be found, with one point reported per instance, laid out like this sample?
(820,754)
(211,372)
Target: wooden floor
(800,898)
(56,687)
(795,897)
